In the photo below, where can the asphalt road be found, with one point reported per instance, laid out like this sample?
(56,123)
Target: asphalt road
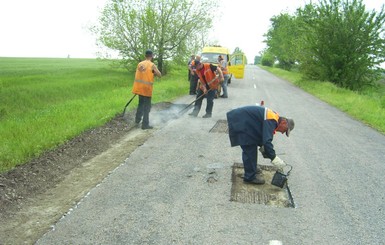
(161,193)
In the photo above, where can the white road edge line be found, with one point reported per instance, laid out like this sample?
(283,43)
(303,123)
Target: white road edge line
(275,242)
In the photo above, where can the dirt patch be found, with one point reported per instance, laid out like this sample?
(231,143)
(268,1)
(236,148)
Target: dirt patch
(220,127)
(266,194)
(35,195)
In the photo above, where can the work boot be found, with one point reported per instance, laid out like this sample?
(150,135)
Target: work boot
(207,115)
(193,114)
(259,180)
(147,127)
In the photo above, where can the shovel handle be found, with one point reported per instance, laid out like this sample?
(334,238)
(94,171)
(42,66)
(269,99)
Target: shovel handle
(192,102)
(216,77)
(125,107)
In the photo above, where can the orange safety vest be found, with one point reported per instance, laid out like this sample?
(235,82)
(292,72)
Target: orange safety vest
(270,114)
(209,75)
(144,79)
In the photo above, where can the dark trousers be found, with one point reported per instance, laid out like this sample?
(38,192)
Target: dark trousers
(249,158)
(193,84)
(144,108)
(210,101)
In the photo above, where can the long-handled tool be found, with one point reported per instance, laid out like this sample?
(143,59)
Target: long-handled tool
(199,96)
(193,102)
(124,111)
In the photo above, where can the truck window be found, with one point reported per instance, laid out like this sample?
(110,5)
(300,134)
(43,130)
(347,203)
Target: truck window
(211,57)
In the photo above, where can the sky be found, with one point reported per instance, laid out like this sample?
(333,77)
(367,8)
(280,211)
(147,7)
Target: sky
(59,28)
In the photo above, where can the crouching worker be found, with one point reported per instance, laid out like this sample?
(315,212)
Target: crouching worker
(253,126)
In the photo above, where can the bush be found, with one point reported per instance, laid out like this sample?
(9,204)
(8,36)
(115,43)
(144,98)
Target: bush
(267,60)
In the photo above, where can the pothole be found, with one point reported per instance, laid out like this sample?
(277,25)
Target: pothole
(266,194)
(220,127)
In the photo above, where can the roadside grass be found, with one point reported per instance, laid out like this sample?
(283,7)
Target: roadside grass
(46,101)
(367,106)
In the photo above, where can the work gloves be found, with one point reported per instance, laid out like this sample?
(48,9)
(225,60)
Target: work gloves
(278,163)
(205,88)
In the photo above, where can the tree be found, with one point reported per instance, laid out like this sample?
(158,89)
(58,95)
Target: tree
(344,43)
(267,58)
(169,27)
(283,40)
(337,41)
(257,60)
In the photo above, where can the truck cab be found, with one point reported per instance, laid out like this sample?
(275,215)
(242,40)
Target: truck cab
(210,55)
(235,62)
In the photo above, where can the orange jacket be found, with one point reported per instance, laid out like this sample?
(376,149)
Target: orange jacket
(144,79)
(208,76)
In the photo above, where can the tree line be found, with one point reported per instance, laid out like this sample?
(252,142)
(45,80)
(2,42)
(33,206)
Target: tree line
(339,41)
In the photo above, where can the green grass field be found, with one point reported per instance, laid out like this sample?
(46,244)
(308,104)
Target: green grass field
(46,101)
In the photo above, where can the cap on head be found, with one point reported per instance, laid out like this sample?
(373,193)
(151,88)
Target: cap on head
(290,126)
(148,53)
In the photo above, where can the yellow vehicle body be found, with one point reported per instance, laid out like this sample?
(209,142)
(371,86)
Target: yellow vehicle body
(210,54)
(238,62)
(235,63)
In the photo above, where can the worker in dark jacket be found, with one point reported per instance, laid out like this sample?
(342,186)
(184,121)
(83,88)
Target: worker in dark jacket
(253,126)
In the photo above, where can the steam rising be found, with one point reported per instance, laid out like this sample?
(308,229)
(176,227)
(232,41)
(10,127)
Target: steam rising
(160,117)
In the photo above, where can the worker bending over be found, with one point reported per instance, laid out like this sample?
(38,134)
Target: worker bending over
(253,126)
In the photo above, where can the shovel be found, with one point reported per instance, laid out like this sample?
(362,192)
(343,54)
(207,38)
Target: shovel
(193,102)
(124,111)
(199,96)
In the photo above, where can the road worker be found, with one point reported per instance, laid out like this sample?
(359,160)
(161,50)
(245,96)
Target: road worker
(192,57)
(143,86)
(223,65)
(194,76)
(208,85)
(251,127)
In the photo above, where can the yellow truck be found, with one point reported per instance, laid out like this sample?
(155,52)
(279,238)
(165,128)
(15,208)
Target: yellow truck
(235,64)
